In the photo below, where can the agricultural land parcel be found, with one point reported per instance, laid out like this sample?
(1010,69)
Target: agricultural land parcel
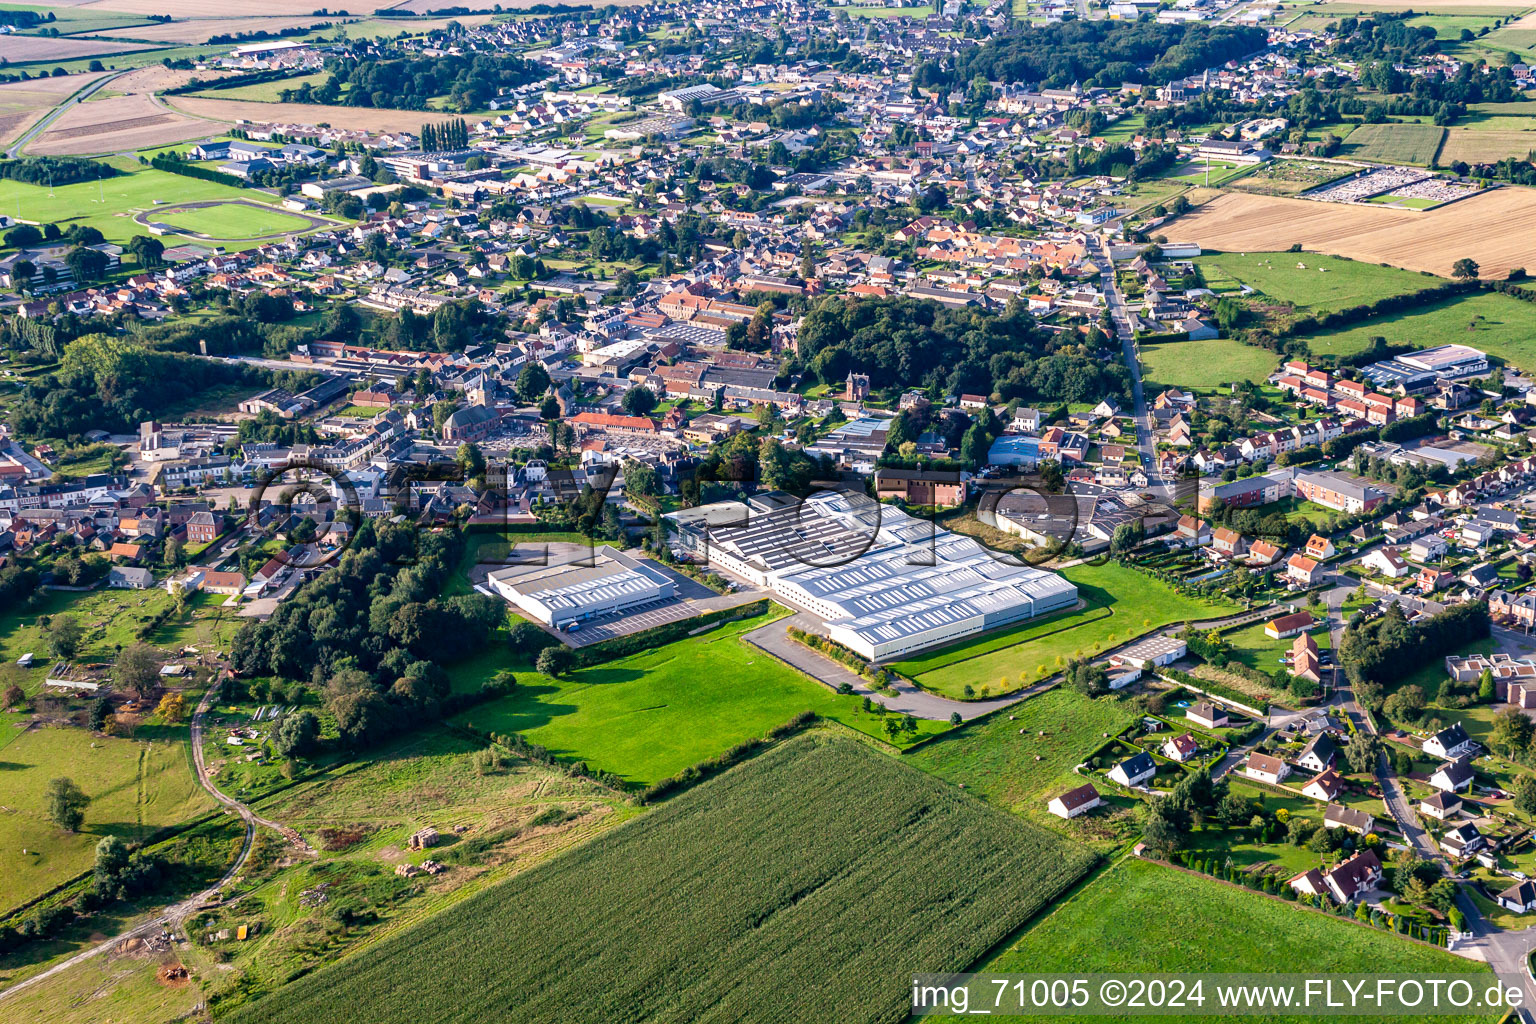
(22,103)
(1414,144)
(1497,324)
(649,716)
(801,878)
(1198,365)
(1430,240)
(1317,283)
(1205,925)
(1137,604)
(359,118)
(135,788)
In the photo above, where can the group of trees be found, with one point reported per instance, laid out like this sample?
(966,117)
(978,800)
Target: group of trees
(468,81)
(1382,650)
(906,342)
(115,383)
(374,632)
(452,134)
(55,170)
(1095,53)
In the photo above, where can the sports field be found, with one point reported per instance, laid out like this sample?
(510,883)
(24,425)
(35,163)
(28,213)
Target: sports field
(1205,364)
(802,878)
(1306,280)
(1497,324)
(650,716)
(1138,604)
(135,788)
(109,205)
(1142,917)
(233,221)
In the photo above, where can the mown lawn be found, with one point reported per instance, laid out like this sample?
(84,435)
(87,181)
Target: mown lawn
(1138,605)
(1206,364)
(1254,648)
(1497,324)
(1140,917)
(102,204)
(233,220)
(803,878)
(649,716)
(1308,280)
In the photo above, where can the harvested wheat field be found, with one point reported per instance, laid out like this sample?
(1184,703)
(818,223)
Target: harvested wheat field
(22,103)
(16,49)
(366,119)
(1479,227)
(204,8)
(117,124)
(202,29)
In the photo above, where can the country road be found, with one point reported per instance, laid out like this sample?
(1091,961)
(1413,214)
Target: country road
(53,115)
(208,897)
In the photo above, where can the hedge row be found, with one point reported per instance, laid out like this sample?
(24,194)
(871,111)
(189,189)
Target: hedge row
(658,636)
(172,166)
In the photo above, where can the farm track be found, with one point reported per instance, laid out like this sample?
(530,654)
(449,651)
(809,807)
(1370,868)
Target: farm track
(205,899)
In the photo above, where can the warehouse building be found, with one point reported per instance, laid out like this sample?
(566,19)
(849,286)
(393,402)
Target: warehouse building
(558,595)
(884,583)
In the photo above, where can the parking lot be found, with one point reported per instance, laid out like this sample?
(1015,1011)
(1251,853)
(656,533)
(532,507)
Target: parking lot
(644,616)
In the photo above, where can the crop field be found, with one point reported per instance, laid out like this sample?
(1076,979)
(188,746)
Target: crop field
(360,118)
(1206,364)
(135,788)
(1206,925)
(1138,605)
(1312,282)
(1487,145)
(1393,143)
(1431,240)
(199,30)
(22,103)
(234,220)
(995,759)
(649,716)
(1497,324)
(115,124)
(801,877)
(1286,177)
(110,204)
(20,49)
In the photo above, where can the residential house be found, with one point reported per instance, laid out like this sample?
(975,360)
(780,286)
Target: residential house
(1075,801)
(1266,768)
(1441,806)
(1289,625)
(1451,742)
(1462,841)
(1303,570)
(1324,787)
(1207,715)
(1453,776)
(1180,748)
(1134,771)
(1319,754)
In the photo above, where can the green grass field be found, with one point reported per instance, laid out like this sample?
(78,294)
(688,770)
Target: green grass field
(135,787)
(1206,364)
(1323,284)
(1140,917)
(1138,603)
(268,92)
(109,205)
(995,758)
(234,221)
(1496,324)
(1488,145)
(1413,144)
(651,715)
(1252,647)
(802,877)
(111,618)
(1198,172)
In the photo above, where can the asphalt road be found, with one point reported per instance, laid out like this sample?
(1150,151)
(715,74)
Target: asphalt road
(53,115)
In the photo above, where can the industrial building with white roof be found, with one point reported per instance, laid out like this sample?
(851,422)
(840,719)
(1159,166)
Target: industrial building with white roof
(886,584)
(607,583)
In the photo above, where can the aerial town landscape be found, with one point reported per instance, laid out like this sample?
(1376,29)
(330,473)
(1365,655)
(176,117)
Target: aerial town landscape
(722,510)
